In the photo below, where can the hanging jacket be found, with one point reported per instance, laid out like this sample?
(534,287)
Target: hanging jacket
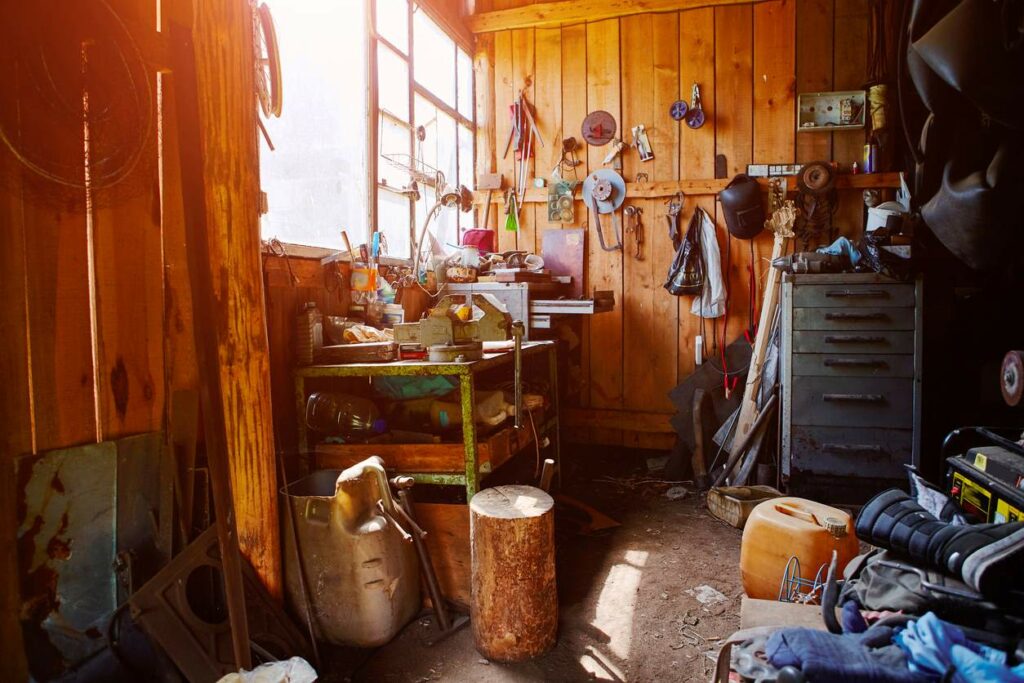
(711,302)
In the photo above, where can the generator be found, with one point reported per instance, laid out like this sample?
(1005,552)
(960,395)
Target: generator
(987,481)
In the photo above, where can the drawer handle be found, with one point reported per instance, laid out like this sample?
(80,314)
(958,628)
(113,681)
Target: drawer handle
(856,316)
(857,293)
(853,339)
(854,363)
(855,398)
(852,448)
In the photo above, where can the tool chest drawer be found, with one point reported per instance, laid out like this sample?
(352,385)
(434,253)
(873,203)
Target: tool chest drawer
(852,451)
(852,401)
(854,295)
(852,365)
(853,318)
(850,384)
(853,341)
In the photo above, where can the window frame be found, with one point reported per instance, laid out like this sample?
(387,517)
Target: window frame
(375,114)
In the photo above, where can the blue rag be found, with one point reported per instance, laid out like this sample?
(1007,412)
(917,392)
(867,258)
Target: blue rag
(935,647)
(842,246)
(868,657)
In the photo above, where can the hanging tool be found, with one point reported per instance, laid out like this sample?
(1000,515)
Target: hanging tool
(604,190)
(642,143)
(675,207)
(520,138)
(635,227)
(617,146)
(489,182)
(695,112)
(569,159)
(511,212)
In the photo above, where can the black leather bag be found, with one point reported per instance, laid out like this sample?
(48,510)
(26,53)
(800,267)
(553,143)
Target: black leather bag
(741,202)
(686,274)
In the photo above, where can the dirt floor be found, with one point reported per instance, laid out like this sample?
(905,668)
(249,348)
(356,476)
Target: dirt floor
(629,609)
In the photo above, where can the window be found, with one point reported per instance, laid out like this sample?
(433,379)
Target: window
(318,177)
(425,124)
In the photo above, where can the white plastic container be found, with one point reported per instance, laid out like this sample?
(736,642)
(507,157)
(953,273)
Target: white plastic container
(363,579)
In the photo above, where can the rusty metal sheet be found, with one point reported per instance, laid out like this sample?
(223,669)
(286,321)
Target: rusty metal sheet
(66,548)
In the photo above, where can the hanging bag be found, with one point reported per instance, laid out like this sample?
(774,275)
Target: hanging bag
(686,274)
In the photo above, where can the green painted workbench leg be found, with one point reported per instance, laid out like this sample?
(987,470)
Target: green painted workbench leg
(556,439)
(469,433)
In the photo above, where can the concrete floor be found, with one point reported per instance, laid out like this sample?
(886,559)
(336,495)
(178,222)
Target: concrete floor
(625,611)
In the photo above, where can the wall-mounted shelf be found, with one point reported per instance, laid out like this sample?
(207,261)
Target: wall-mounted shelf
(697,188)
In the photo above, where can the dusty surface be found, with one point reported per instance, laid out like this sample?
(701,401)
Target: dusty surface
(625,611)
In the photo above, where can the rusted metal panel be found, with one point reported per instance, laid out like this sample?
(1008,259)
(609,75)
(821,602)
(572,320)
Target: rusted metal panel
(66,551)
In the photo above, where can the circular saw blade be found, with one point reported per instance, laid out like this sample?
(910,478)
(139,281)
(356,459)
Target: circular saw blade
(598,128)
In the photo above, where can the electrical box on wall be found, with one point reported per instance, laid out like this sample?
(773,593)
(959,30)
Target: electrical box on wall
(831,111)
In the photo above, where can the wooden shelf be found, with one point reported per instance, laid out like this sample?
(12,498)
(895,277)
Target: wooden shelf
(431,458)
(696,188)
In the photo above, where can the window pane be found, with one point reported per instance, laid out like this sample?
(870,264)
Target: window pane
(316,180)
(392,83)
(393,221)
(393,22)
(465,84)
(433,58)
(443,227)
(395,139)
(439,147)
(466,157)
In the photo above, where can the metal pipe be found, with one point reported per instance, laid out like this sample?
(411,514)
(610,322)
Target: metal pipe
(747,438)
(518,330)
(403,486)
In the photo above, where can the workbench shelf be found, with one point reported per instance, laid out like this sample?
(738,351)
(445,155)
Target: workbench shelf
(454,464)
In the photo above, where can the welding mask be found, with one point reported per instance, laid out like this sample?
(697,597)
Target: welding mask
(741,202)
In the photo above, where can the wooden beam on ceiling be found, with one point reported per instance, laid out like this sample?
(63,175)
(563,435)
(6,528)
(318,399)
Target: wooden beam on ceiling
(562,12)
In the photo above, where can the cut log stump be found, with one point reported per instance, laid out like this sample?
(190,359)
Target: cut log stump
(514,606)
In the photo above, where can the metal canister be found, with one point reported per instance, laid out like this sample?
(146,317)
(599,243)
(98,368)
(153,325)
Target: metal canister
(870,158)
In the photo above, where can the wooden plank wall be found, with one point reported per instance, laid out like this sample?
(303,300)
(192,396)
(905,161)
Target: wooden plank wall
(750,61)
(96,310)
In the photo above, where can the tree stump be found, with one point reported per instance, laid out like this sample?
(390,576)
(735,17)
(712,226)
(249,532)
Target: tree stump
(514,605)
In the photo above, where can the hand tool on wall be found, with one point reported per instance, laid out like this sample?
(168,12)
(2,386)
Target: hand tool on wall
(520,138)
(604,190)
(695,112)
(642,143)
(675,207)
(635,227)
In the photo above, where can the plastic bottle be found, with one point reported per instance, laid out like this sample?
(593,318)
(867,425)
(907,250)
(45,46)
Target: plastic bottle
(337,414)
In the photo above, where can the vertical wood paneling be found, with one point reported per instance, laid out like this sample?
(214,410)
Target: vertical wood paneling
(486,144)
(696,151)
(814,40)
(15,410)
(850,73)
(523,62)
(574,109)
(774,81)
(503,98)
(603,61)
(180,370)
(734,121)
(60,315)
(547,100)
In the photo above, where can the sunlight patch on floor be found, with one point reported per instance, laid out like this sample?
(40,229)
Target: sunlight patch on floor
(614,612)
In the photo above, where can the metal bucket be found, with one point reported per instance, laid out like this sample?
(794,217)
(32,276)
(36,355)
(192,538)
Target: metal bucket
(362,577)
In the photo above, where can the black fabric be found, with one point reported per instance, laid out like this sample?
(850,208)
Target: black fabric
(686,274)
(895,521)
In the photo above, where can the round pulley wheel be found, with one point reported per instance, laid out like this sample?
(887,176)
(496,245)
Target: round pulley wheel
(1011,377)
(598,128)
(678,110)
(816,177)
(613,200)
(695,118)
(602,190)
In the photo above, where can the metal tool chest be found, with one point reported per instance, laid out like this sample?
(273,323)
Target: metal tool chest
(851,383)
